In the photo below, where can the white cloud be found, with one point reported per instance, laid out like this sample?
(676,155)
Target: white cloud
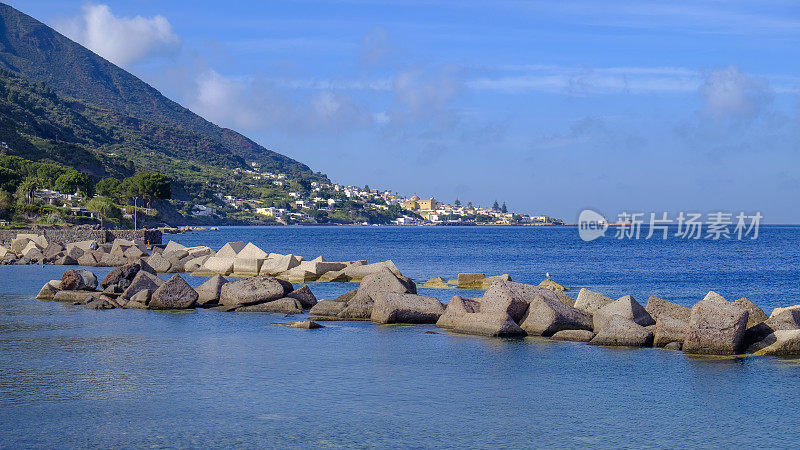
(121,40)
(255,103)
(731,93)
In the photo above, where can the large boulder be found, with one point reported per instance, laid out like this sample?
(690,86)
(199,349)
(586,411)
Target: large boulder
(779,343)
(589,301)
(174,294)
(512,298)
(716,327)
(158,262)
(390,307)
(246,267)
(547,316)
(456,308)
(250,291)
(143,280)
(49,290)
(122,276)
(487,324)
(208,293)
(75,280)
(216,265)
(231,249)
(780,319)
(359,307)
(251,251)
(281,306)
(755,315)
(319,266)
(622,332)
(669,329)
(357,272)
(194,264)
(657,307)
(277,264)
(626,307)
(53,251)
(80,297)
(172,246)
(327,309)
(384,281)
(304,296)
(297,275)
(88,259)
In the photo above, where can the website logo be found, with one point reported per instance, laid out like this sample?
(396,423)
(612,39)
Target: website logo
(591,225)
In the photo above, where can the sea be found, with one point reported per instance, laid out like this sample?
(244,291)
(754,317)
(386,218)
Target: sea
(72,377)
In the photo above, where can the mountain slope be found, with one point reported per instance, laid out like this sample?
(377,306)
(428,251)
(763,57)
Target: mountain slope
(40,54)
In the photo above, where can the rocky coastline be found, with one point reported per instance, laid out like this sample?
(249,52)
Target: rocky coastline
(242,277)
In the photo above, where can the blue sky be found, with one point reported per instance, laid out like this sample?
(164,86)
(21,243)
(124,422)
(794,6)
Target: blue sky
(549,106)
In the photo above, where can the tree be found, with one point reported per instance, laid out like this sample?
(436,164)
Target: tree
(100,205)
(496,206)
(72,181)
(27,188)
(469,204)
(366,187)
(458,202)
(504,208)
(48,174)
(148,185)
(108,187)
(6,203)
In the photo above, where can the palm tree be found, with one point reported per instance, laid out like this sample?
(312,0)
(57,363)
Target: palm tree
(27,189)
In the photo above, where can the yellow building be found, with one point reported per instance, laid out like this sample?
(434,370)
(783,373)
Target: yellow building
(416,204)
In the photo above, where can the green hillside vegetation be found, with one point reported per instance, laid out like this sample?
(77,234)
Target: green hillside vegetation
(40,54)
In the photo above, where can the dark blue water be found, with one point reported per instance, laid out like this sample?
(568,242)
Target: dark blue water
(71,377)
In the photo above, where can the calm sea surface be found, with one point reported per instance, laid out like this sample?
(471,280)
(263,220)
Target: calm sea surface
(71,377)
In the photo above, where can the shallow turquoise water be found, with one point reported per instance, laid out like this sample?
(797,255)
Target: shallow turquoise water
(72,377)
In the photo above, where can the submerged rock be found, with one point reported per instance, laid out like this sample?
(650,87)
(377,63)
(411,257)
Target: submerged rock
(281,306)
(716,327)
(306,325)
(573,335)
(436,283)
(552,285)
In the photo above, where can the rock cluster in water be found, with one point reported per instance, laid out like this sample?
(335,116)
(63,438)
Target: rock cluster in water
(713,326)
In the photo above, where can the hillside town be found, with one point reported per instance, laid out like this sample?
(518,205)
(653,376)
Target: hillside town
(323,202)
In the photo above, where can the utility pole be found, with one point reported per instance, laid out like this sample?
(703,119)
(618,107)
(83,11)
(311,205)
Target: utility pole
(134,213)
